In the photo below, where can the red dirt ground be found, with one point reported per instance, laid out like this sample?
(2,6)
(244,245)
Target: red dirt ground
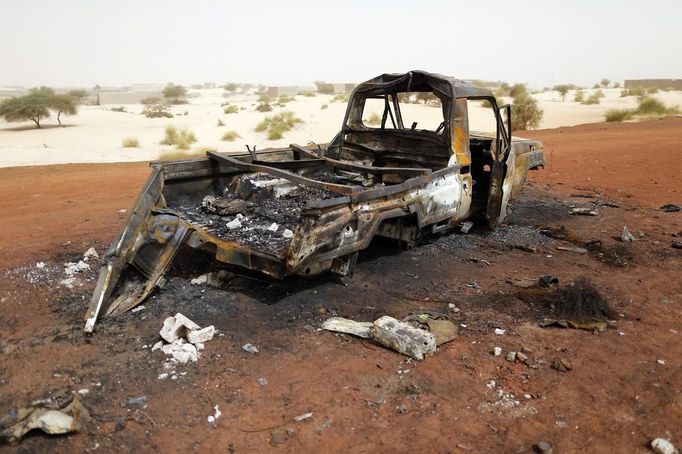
(616,398)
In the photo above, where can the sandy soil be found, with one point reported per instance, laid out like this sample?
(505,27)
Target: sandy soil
(617,397)
(96,133)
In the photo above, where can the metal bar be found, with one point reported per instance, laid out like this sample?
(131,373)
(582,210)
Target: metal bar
(338,188)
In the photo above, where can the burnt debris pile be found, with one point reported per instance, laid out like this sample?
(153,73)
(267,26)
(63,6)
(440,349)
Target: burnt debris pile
(255,210)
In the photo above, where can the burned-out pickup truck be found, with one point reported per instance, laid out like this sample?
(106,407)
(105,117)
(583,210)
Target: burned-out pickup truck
(304,210)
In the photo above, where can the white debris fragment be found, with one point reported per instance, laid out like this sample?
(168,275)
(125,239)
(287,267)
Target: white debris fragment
(177,327)
(199,280)
(627,236)
(163,376)
(499,331)
(183,339)
(497,351)
(83,391)
(663,446)
(122,210)
(303,417)
(250,348)
(234,224)
(262,381)
(216,414)
(40,265)
(72,268)
(138,308)
(404,338)
(199,336)
(69,282)
(466,226)
(287,233)
(90,253)
(347,326)
(661,362)
(273,227)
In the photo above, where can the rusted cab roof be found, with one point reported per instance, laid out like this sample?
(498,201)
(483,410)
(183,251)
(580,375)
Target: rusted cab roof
(416,81)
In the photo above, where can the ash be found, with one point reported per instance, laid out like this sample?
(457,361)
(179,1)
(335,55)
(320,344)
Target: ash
(263,224)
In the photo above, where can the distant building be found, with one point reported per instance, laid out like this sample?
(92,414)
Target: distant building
(661,84)
(276,92)
(208,85)
(125,97)
(343,88)
(146,87)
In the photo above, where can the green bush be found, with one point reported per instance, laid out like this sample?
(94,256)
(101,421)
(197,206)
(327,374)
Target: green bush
(594,98)
(182,139)
(342,97)
(155,108)
(649,105)
(652,91)
(283,99)
(579,96)
(307,94)
(231,136)
(230,109)
(324,106)
(637,91)
(264,107)
(618,114)
(220,122)
(277,125)
(119,109)
(624,93)
(525,112)
(131,142)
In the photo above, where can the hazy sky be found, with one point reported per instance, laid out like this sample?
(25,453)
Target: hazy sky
(118,42)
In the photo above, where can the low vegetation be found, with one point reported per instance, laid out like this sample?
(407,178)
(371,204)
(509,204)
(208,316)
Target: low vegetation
(173,155)
(579,96)
(283,99)
(181,138)
(155,108)
(324,88)
(307,94)
(526,114)
(277,125)
(231,136)
(37,105)
(373,119)
(341,97)
(119,109)
(264,107)
(324,106)
(220,122)
(230,109)
(648,106)
(131,142)
(593,98)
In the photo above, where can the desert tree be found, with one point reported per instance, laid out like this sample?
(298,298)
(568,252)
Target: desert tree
(32,107)
(525,112)
(324,88)
(605,83)
(63,104)
(563,90)
(231,87)
(175,93)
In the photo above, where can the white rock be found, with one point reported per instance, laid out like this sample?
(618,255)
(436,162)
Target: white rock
(273,227)
(234,224)
(627,236)
(404,338)
(663,446)
(199,280)
(138,309)
(250,348)
(69,282)
(511,356)
(287,233)
(347,326)
(163,376)
(157,346)
(201,335)
(497,351)
(177,327)
(499,331)
(262,381)
(83,391)
(91,253)
(40,265)
(661,362)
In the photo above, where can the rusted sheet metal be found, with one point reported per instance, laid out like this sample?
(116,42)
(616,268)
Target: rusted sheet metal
(308,210)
